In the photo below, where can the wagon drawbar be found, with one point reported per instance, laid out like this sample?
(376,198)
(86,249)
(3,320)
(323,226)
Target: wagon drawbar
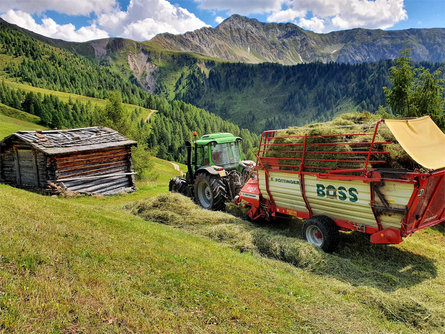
(297,176)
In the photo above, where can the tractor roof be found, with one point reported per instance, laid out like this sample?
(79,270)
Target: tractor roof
(219,138)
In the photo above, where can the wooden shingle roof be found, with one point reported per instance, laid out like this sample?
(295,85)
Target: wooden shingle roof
(71,140)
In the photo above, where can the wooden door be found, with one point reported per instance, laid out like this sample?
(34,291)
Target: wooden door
(26,168)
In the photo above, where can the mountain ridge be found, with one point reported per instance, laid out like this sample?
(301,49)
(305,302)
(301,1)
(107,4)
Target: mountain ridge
(242,39)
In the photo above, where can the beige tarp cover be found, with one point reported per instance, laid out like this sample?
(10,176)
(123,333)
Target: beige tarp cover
(422,139)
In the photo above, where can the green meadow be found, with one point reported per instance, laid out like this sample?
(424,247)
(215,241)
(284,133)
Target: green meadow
(150,262)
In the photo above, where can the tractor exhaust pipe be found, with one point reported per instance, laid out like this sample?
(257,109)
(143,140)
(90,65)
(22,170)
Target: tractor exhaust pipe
(188,146)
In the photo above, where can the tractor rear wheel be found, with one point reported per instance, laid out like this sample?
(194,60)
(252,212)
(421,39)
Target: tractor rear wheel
(322,232)
(210,192)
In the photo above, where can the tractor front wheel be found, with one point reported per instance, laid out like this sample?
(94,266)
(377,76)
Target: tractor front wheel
(322,232)
(210,192)
(178,185)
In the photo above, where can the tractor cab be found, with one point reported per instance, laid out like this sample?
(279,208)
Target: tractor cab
(219,149)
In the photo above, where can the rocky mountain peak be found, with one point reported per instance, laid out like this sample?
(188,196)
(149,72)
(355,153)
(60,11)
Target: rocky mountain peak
(239,38)
(236,19)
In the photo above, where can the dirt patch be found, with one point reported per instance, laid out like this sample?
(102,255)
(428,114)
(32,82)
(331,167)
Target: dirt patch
(144,70)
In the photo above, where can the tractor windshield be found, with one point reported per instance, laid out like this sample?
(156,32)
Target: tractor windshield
(202,155)
(226,155)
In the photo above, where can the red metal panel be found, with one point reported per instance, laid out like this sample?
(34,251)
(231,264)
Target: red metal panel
(303,192)
(429,208)
(372,144)
(386,236)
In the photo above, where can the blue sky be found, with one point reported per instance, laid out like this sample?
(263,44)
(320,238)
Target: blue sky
(82,20)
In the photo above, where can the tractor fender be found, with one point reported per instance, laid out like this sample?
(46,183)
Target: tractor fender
(247,164)
(212,170)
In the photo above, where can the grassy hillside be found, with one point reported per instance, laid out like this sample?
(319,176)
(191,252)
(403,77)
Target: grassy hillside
(10,125)
(88,265)
(165,169)
(18,114)
(64,96)
(65,79)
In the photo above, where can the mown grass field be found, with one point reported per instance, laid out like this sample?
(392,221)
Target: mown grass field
(95,265)
(88,265)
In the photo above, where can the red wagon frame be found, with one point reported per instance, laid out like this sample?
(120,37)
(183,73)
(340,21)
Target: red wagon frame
(426,206)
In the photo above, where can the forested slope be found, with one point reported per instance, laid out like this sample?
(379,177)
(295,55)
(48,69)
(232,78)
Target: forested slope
(35,63)
(267,96)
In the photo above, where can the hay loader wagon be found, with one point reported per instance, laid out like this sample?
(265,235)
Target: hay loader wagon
(387,203)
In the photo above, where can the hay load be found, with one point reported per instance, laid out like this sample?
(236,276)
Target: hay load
(340,143)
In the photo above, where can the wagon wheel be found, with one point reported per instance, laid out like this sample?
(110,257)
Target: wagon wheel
(322,232)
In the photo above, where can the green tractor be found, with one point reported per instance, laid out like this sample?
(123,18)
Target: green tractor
(216,172)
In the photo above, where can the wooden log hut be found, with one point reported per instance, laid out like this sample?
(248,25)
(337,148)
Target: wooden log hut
(94,160)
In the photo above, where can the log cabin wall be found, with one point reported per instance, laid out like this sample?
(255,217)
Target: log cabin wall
(107,171)
(23,165)
(8,174)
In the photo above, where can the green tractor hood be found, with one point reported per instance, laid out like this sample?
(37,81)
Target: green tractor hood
(219,138)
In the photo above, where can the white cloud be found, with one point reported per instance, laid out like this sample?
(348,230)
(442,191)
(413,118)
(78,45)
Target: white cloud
(219,19)
(286,15)
(70,7)
(325,15)
(313,24)
(324,8)
(143,19)
(370,14)
(345,14)
(243,7)
(51,29)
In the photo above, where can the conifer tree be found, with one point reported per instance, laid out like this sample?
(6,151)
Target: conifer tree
(416,91)
(114,113)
